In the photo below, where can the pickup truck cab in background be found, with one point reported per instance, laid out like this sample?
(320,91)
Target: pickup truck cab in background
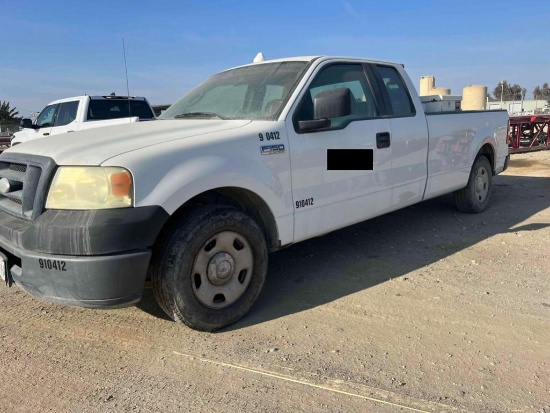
(83,112)
(254,159)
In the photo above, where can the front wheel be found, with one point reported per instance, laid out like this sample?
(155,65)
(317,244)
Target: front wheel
(475,197)
(209,267)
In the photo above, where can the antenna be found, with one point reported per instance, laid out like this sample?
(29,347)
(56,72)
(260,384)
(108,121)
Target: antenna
(127,86)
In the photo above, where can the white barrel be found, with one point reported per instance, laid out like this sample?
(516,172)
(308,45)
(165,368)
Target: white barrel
(439,91)
(426,83)
(474,97)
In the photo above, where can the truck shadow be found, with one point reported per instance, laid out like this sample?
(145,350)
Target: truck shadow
(324,269)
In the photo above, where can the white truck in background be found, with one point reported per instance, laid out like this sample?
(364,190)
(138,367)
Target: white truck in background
(254,159)
(83,112)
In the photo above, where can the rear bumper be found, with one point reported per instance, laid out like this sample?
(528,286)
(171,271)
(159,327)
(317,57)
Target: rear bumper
(95,259)
(502,164)
(506,163)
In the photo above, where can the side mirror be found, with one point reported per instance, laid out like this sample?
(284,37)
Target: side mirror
(307,125)
(328,104)
(332,103)
(26,123)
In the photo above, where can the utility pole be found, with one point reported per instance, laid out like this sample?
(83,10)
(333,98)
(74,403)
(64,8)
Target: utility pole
(501,92)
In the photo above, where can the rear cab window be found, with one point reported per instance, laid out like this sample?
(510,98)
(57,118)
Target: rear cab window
(103,109)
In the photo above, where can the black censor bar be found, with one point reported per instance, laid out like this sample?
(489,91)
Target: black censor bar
(349,159)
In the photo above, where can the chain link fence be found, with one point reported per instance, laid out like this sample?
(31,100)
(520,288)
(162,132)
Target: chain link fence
(6,130)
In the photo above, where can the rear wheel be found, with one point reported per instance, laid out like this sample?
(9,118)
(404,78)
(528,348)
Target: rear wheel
(475,197)
(209,267)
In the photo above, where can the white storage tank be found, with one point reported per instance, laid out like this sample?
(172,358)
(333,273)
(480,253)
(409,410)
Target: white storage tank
(426,83)
(474,97)
(443,91)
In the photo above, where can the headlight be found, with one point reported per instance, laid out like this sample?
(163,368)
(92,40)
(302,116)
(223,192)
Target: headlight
(90,187)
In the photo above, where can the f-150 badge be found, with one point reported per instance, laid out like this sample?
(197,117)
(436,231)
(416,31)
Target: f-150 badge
(272,149)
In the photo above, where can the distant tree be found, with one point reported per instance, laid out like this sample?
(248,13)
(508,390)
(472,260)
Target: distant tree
(542,92)
(508,91)
(7,113)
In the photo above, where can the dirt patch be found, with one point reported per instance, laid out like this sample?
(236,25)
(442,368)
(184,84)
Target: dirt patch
(424,309)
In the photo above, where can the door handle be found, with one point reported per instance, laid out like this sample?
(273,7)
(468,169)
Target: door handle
(383,140)
(45,134)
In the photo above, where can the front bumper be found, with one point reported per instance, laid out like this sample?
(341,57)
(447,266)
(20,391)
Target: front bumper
(96,259)
(110,281)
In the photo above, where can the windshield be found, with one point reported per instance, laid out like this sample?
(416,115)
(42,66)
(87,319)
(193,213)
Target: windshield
(255,92)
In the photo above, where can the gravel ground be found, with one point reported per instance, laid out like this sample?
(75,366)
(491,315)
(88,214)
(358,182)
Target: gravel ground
(425,309)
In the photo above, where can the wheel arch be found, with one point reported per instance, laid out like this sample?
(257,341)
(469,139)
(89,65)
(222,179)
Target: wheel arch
(489,151)
(240,198)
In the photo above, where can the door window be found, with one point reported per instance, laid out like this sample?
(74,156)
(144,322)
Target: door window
(45,119)
(336,76)
(397,92)
(66,113)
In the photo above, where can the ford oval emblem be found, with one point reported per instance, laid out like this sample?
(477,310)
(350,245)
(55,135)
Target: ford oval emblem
(5,185)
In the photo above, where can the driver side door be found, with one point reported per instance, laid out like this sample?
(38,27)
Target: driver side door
(65,118)
(44,122)
(341,174)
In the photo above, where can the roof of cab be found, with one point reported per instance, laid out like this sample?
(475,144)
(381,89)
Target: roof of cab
(312,58)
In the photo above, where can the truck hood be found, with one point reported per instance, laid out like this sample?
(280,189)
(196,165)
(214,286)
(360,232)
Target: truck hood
(95,146)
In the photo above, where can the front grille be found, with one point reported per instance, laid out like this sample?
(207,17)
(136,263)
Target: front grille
(23,183)
(16,201)
(18,168)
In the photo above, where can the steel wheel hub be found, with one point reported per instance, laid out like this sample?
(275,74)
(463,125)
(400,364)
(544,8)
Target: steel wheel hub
(482,184)
(220,268)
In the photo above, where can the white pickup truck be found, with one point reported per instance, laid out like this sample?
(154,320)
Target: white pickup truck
(83,112)
(254,159)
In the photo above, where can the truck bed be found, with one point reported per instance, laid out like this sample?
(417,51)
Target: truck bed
(451,153)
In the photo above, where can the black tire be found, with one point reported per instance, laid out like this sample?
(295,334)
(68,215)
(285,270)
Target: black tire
(209,267)
(475,197)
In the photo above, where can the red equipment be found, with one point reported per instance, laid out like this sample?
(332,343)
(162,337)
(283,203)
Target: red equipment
(528,133)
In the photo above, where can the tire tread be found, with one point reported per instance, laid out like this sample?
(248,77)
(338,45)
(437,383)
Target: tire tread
(172,253)
(464,198)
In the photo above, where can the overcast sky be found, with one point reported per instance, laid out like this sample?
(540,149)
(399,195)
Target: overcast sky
(58,49)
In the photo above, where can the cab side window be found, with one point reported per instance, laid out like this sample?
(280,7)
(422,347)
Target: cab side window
(66,113)
(336,76)
(46,118)
(397,92)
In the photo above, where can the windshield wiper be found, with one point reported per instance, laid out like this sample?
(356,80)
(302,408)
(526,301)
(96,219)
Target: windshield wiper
(199,115)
